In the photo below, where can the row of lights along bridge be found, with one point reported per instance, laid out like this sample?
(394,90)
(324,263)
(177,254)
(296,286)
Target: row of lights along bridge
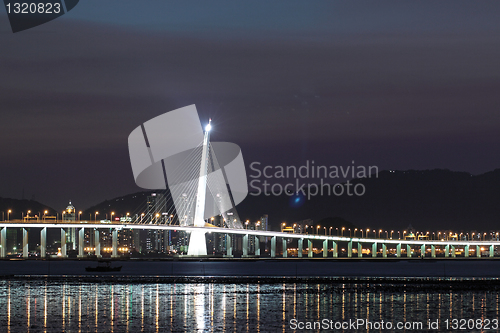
(307,229)
(388,234)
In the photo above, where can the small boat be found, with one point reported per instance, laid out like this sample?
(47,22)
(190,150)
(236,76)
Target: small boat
(103,266)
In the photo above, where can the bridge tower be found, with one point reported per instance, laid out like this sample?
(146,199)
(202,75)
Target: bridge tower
(197,241)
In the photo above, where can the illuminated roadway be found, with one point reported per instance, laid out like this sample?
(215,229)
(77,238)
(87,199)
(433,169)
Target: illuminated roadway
(329,242)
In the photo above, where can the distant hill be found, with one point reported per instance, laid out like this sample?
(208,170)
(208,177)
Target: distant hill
(134,203)
(428,200)
(21,207)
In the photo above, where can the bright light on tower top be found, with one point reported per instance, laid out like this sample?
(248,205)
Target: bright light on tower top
(208,127)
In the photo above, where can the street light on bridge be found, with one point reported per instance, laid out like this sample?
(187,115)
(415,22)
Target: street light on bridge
(95,216)
(8,214)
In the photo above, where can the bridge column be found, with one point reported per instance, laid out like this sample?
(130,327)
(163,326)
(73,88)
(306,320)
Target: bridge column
(447,251)
(422,250)
(3,238)
(257,246)
(398,250)
(300,245)
(492,251)
(25,243)
(114,254)
(284,248)
(374,250)
(335,249)
(453,253)
(81,242)
(384,250)
(63,243)
(408,250)
(97,243)
(478,251)
(466,251)
(325,248)
(360,250)
(229,246)
(349,249)
(245,245)
(433,251)
(273,247)
(43,242)
(309,248)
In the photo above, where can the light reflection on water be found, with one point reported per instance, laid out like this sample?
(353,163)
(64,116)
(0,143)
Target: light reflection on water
(54,306)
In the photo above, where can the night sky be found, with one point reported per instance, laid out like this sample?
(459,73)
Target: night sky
(400,85)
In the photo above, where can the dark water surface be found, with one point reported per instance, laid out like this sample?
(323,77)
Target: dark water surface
(64,305)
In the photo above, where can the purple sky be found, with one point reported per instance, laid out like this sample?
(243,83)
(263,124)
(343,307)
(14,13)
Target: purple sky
(394,84)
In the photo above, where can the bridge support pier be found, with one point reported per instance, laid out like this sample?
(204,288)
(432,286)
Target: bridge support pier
(478,251)
(43,242)
(25,243)
(335,249)
(360,250)
(384,250)
(3,238)
(349,249)
(408,251)
(447,251)
(257,246)
(273,247)
(325,248)
(466,251)
(309,248)
(453,253)
(433,251)
(422,250)
(492,251)
(300,245)
(97,243)
(245,245)
(114,254)
(63,243)
(284,248)
(374,250)
(229,246)
(398,250)
(81,242)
